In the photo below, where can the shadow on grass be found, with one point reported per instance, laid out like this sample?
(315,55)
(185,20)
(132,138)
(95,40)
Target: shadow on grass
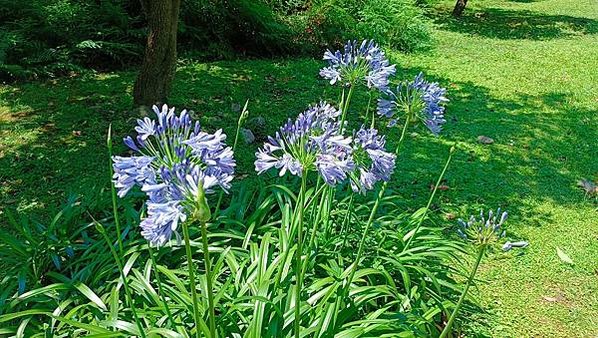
(54,134)
(54,139)
(506,24)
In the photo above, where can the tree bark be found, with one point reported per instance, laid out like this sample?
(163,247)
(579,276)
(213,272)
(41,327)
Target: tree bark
(459,7)
(159,63)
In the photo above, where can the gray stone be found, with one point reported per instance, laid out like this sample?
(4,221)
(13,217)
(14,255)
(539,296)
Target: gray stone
(485,139)
(258,122)
(247,135)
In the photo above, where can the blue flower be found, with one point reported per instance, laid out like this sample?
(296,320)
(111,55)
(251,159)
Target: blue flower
(131,171)
(483,230)
(145,128)
(176,159)
(358,63)
(419,99)
(334,167)
(162,221)
(312,142)
(372,161)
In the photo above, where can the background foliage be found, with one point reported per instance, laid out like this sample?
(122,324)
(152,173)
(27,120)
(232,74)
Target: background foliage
(43,38)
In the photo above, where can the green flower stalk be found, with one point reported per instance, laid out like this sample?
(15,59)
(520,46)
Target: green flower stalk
(160,289)
(202,215)
(192,282)
(113,191)
(427,209)
(298,254)
(449,324)
(100,228)
(240,123)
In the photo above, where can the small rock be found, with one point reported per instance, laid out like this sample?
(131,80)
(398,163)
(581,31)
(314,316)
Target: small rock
(247,135)
(485,139)
(257,123)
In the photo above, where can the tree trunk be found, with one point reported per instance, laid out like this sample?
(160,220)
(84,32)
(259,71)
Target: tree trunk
(159,63)
(459,7)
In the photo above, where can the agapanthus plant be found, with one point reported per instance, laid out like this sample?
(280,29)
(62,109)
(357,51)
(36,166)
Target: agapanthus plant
(413,101)
(175,165)
(358,63)
(483,233)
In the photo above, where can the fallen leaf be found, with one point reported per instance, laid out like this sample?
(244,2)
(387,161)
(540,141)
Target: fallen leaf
(550,299)
(441,187)
(450,216)
(485,139)
(76,132)
(563,256)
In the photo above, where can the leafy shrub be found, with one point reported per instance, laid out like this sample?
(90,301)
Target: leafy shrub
(44,38)
(399,24)
(54,37)
(284,257)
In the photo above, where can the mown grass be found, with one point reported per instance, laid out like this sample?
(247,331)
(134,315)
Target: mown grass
(521,72)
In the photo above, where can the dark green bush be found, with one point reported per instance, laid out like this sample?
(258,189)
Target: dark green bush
(55,37)
(399,24)
(44,38)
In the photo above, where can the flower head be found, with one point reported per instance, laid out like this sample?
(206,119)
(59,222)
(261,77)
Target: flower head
(372,161)
(419,100)
(176,164)
(358,63)
(312,142)
(483,231)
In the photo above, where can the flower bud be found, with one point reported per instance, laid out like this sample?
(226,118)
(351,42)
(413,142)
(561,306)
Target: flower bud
(202,211)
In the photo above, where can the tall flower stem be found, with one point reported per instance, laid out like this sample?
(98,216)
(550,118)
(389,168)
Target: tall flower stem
(403,133)
(113,191)
(449,324)
(298,255)
(326,196)
(346,220)
(159,280)
(208,266)
(191,278)
(423,217)
(345,106)
(240,122)
(119,263)
(364,235)
(373,213)
(286,252)
(367,111)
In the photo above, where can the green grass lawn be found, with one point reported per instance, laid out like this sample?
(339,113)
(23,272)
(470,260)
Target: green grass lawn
(524,73)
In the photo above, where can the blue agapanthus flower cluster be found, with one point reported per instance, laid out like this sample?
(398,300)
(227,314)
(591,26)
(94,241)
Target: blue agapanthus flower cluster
(373,162)
(358,62)
(483,230)
(419,99)
(314,142)
(175,164)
